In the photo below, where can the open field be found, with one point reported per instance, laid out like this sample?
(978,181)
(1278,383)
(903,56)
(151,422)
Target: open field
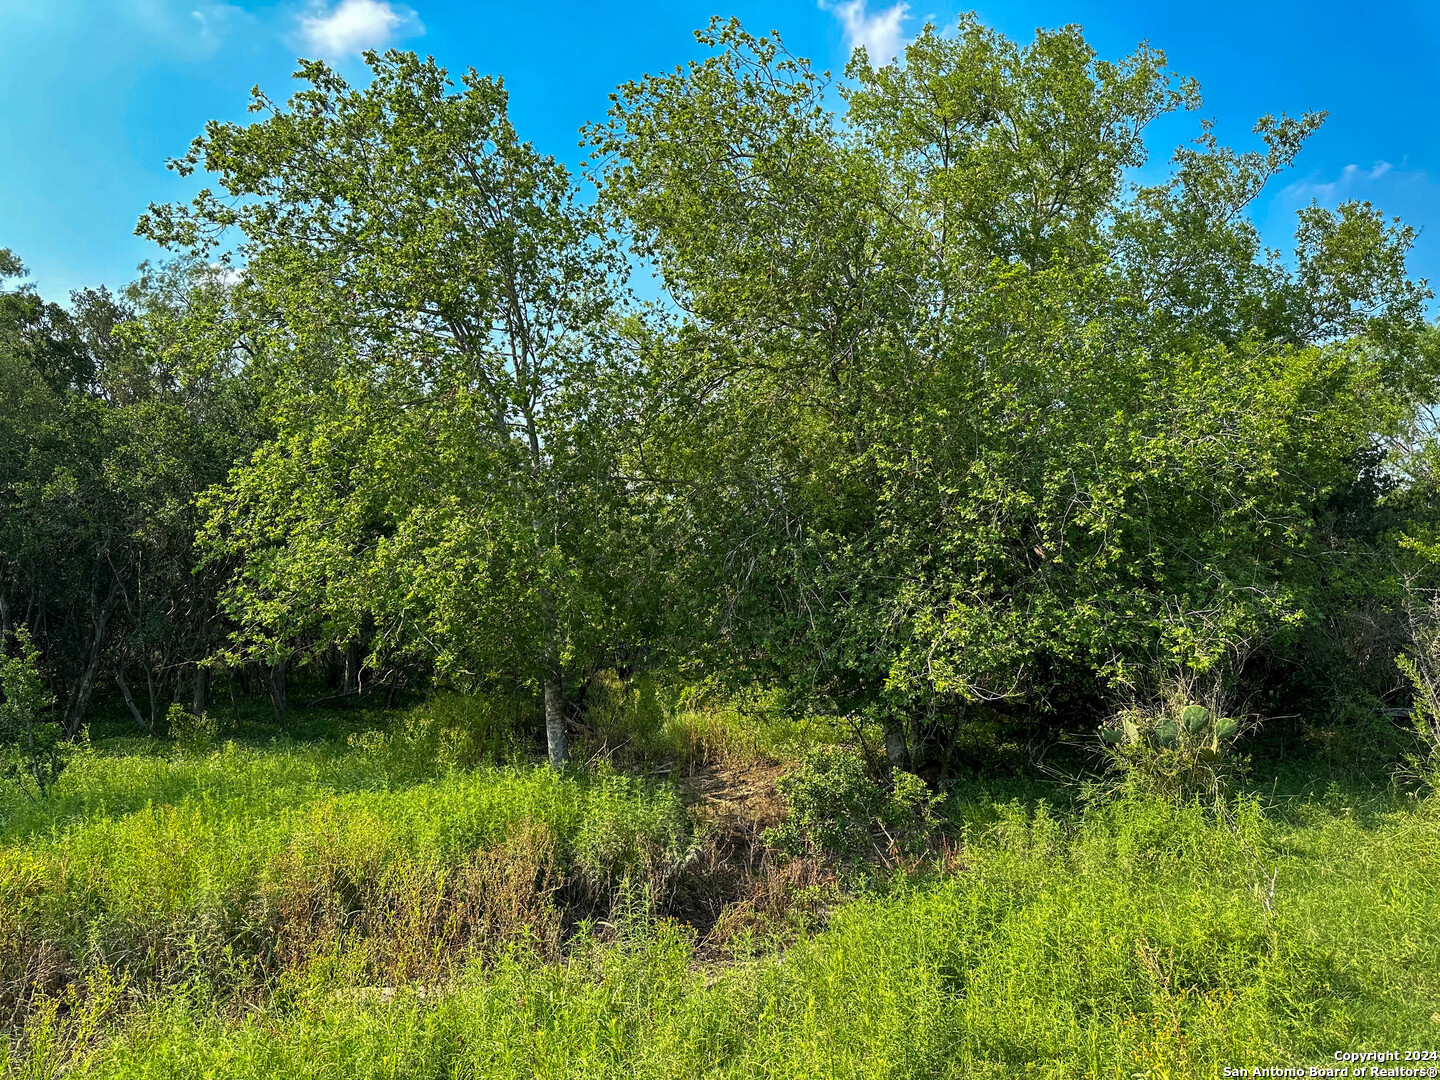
(342,905)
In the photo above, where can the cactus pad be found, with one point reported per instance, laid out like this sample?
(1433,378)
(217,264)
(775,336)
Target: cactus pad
(1195,718)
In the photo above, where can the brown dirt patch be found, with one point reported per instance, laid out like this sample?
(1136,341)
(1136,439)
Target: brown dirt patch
(739,887)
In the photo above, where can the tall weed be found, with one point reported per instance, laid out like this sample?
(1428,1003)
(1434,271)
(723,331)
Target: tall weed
(1137,938)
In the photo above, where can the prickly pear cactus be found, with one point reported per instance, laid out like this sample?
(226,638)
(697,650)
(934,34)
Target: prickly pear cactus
(1196,728)
(1195,719)
(1180,750)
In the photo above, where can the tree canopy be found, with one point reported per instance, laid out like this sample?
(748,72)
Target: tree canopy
(940,409)
(972,417)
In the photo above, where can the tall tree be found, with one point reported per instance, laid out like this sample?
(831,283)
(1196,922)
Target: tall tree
(105,441)
(433,311)
(966,418)
(63,528)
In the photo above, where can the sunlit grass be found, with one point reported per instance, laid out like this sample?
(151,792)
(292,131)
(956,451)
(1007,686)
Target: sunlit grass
(374,907)
(1141,939)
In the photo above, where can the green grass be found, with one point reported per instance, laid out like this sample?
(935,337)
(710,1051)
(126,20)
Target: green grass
(1143,941)
(237,865)
(1131,937)
(643,726)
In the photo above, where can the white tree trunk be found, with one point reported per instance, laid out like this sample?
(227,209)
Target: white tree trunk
(895,745)
(555,721)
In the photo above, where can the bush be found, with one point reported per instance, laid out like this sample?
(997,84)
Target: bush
(836,807)
(33,748)
(189,731)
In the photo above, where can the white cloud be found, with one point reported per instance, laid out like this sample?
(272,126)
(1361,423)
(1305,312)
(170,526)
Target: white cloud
(227,275)
(878,34)
(1351,177)
(352,26)
(195,30)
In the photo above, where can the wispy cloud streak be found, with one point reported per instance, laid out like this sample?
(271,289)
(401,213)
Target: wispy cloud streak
(880,34)
(1351,177)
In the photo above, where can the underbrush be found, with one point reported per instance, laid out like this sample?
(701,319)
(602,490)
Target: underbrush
(836,808)
(640,724)
(254,867)
(1139,939)
(415,899)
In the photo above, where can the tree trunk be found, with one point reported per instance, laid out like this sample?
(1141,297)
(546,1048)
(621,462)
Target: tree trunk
(895,744)
(80,693)
(201,689)
(351,684)
(80,699)
(130,703)
(276,686)
(555,720)
(151,696)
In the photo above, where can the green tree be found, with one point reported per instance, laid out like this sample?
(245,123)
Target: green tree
(431,316)
(963,416)
(107,433)
(62,523)
(182,416)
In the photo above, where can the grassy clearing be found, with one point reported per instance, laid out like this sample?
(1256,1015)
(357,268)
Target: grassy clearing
(374,907)
(239,866)
(1140,940)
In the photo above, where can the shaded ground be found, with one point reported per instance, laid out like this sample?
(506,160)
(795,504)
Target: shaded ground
(740,891)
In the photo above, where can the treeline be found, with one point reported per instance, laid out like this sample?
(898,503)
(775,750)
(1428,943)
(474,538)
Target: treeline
(106,442)
(938,410)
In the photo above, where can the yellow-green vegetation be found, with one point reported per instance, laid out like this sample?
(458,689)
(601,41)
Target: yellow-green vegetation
(341,908)
(983,618)
(239,867)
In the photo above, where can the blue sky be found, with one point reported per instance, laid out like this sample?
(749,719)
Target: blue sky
(96,94)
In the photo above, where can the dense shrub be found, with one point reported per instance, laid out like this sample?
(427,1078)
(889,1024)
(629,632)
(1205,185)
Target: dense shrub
(836,807)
